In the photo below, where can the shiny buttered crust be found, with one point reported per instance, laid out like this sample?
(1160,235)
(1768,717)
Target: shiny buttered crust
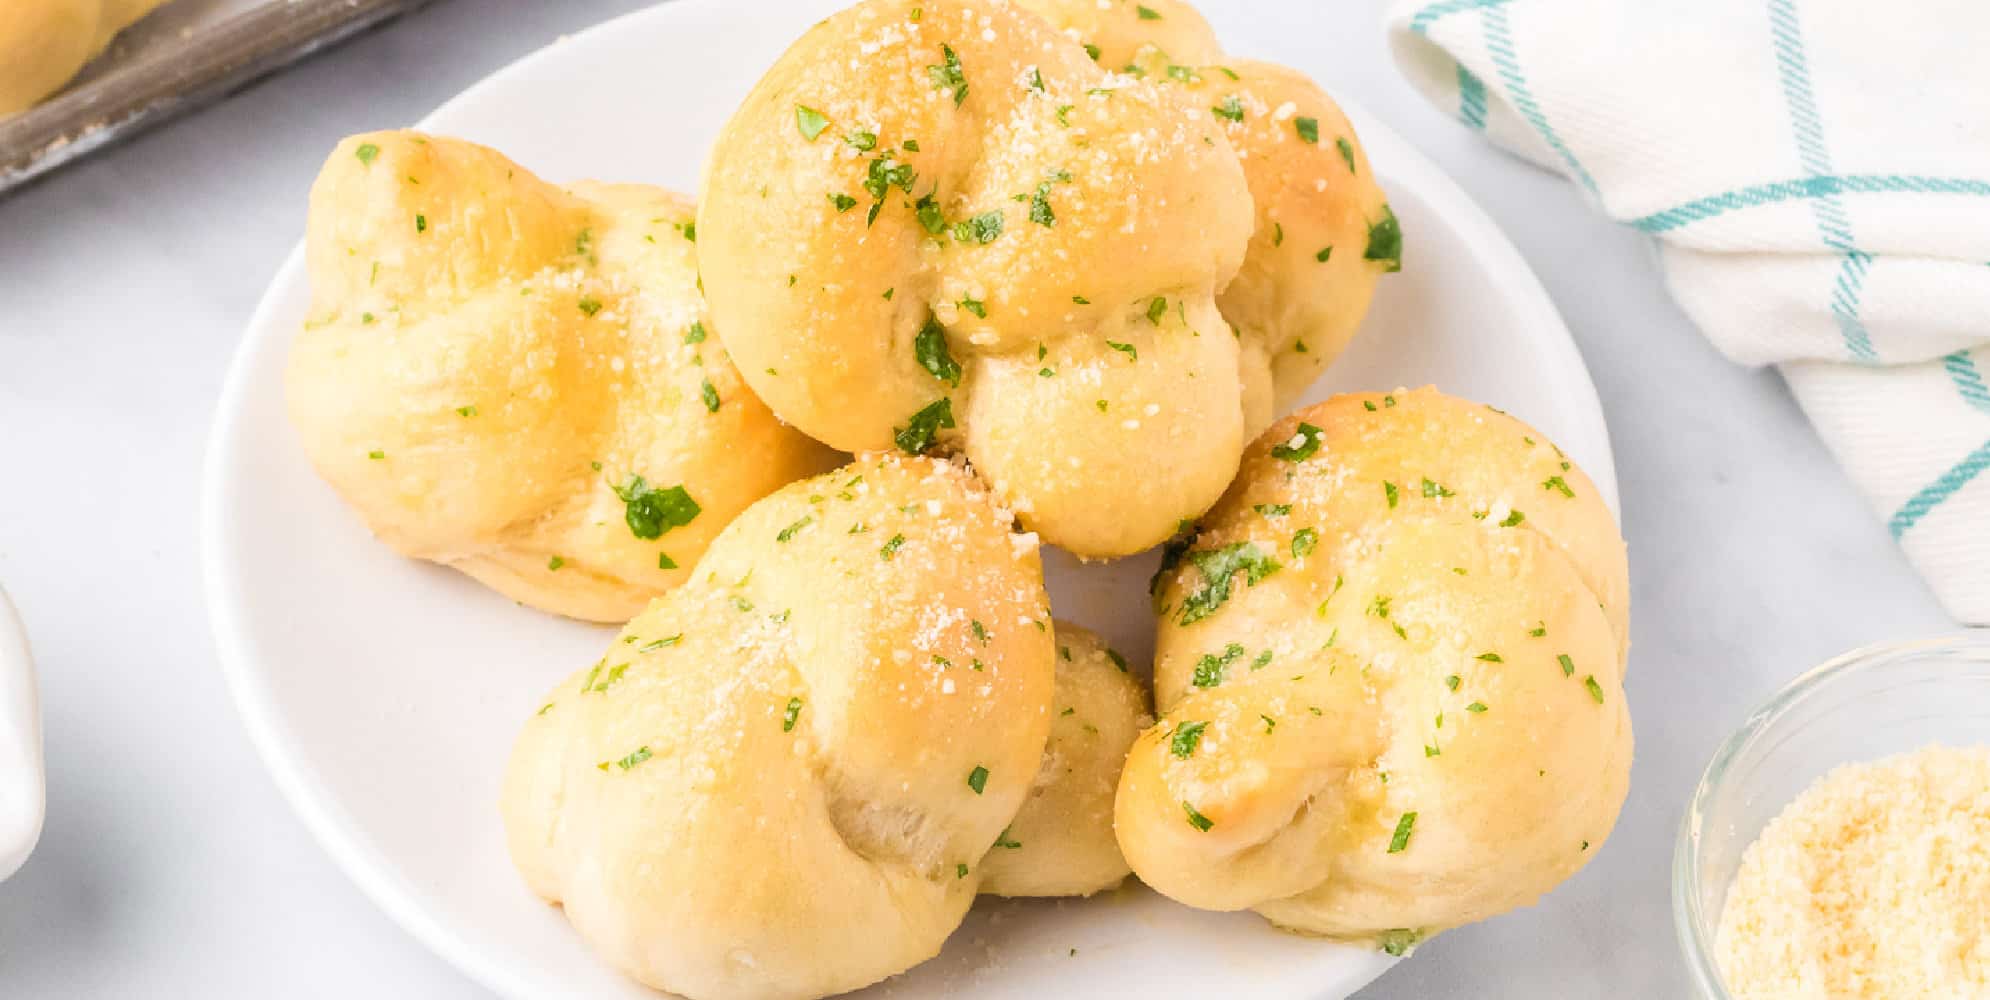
(1324,232)
(782,777)
(937,223)
(518,380)
(43,43)
(1400,639)
(1061,842)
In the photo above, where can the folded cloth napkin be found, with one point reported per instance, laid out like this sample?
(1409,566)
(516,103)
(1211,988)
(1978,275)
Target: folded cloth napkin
(1816,175)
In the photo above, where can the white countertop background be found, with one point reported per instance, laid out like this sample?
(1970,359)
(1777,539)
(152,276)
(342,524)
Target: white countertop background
(170,866)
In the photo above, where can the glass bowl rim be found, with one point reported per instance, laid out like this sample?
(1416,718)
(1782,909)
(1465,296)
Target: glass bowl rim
(1690,926)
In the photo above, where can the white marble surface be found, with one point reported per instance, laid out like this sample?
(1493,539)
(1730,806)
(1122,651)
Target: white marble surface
(171,868)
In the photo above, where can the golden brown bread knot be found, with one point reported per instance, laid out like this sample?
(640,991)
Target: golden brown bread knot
(43,43)
(1390,668)
(940,222)
(517,380)
(1324,232)
(782,778)
(1061,841)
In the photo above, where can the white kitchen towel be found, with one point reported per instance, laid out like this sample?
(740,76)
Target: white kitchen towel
(1816,177)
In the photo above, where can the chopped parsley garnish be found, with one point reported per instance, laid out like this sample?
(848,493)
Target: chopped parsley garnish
(1398,942)
(1303,444)
(1185,74)
(918,433)
(1187,737)
(843,202)
(1491,658)
(1231,108)
(655,644)
(980,631)
(1196,819)
(466,411)
(696,334)
(1269,723)
(421,223)
(788,717)
(376,455)
(1092,50)
(1385,241)
(1303,542)
(555,563)
(1308,129)
(1452,682)
(1389,491)
(810,121)
(1272,509)
(1432,491)
(1147,13)
(1476,707)
(948,75)
(1117,660)
(589,305)
(980,229)
(1402,838)
(1132,353)
(1217,566)
(862,141)
(663,561)
(1559,485)
(1278,234)
(1513,518)
(1595,689)
(930,347)
(1568,665)
(927,208)
(960,869)
(1157,309)
(635,757)
(1004,841)
(741,604)
(1210,669)
(1346,152)
(652,511)
(975,306)
(977,779)
(890,548)
(366,152)
(789,531)
(709,395)
(1064,110)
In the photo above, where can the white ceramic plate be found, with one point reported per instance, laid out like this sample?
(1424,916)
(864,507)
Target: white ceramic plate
(384,693)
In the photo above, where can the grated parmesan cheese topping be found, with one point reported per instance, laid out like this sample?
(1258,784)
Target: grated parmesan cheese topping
(1874,883)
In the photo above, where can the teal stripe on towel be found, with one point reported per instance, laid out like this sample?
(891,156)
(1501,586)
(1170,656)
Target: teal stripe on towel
(1471,98)
(1945,486)
(1421,21)
(1833,226)
(1968,381)
(1499,45)
(1824,186)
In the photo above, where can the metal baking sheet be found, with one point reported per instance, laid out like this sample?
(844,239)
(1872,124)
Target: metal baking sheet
(181,56)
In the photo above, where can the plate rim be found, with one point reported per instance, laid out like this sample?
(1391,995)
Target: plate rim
(298,781)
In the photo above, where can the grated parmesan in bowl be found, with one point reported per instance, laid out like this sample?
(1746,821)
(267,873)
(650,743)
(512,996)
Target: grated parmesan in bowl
(1838,845)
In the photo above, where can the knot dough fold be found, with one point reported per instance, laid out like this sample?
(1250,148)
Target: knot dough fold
(935,221)
(1402,634)
(44,43)
(780,780)
(1323,232)
(516,379)
(1061,842)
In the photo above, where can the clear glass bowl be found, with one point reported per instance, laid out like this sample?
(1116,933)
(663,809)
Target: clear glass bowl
(1869,703)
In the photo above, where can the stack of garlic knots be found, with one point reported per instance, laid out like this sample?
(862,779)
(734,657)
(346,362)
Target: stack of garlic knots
(1390,669)
(518,380)
(944,224)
